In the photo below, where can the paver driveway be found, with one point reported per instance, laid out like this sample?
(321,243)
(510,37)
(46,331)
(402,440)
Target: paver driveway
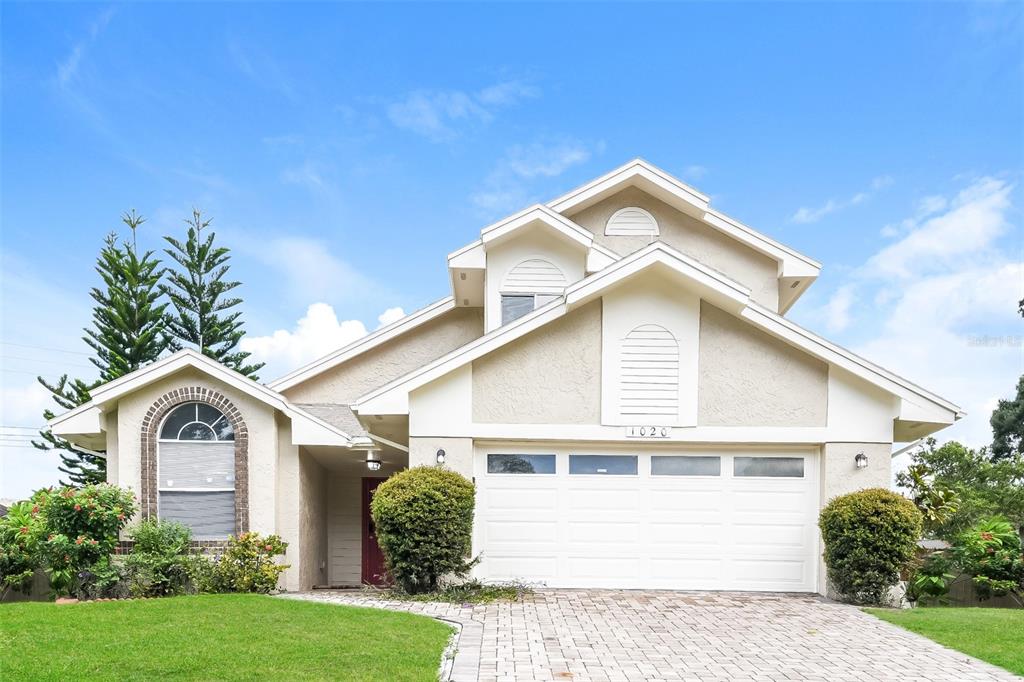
(606,635)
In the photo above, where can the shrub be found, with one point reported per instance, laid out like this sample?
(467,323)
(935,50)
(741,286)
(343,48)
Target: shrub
(990,553)
(930,582)
(66,532)
(158,564)
(870,536)
(248,564)
(424,521)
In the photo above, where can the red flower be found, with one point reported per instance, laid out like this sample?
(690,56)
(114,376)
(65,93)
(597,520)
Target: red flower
(24,529)
(986,536)
(120,517)
(78,507)
(35,509)
(79,540)
(269,548)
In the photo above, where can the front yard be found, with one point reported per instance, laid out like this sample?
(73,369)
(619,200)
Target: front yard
(222,636)
(993,635)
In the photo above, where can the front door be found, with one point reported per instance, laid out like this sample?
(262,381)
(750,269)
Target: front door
(375,572)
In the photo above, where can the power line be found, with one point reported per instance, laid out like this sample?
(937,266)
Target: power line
(48,362)
(54,350)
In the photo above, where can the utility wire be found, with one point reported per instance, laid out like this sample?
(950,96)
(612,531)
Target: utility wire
(54,350)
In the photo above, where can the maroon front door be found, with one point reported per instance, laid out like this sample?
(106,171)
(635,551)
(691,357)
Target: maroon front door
(375,572)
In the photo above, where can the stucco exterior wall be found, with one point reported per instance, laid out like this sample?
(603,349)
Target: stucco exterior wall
(110,424)
(415,348)
(458,453)
(689,235)
(312,522)
(748,378)
(263,441)
(287,510)
(551,376)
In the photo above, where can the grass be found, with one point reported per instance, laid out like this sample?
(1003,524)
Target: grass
(993,635)
(217,636)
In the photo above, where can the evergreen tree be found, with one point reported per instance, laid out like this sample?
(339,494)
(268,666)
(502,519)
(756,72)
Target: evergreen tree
(127,332)
(198,294)
(1008,426)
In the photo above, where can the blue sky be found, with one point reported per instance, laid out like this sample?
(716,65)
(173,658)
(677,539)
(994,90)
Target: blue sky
(344,150)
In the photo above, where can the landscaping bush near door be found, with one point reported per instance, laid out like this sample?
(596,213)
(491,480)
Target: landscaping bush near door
(424,522)
(870,536)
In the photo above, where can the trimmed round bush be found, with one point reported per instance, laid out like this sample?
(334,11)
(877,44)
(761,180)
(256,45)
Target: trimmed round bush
(870,536)
(424,521)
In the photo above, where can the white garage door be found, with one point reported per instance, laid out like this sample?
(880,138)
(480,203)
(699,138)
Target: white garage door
(713,520)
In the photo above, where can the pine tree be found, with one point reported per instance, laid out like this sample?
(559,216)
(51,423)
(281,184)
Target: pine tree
(128,331)
(197,293)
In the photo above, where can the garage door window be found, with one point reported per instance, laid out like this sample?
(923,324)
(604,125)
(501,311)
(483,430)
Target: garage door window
(771,467)
(685,466)
(603,465)
(520,464)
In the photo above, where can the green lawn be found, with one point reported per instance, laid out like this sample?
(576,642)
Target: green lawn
(222,636)
(993,635)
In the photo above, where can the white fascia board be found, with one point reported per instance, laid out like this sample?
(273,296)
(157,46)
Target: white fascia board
(83,420)
(393,397)
(627,174)
(797,336)
(359,346)
(599,257)
(499,231)
(791,263)
(469,257)
(310,430)
(713,285)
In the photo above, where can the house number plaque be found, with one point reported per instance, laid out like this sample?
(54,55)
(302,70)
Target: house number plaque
(648,432)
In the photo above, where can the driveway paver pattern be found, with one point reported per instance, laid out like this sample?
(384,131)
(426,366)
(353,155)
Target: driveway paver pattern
(627,635)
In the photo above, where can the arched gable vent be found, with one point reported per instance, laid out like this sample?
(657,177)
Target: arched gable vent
(632,221)
(649,372)
(534,276)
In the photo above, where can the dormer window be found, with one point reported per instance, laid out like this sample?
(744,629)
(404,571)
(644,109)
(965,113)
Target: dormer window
(632,221)
(531,284)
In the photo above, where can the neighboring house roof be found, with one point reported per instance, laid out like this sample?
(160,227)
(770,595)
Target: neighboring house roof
(307,428)
(3,510)
(361,345)
(919,405)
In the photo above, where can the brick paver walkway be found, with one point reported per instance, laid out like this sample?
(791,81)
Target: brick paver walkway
(625,635)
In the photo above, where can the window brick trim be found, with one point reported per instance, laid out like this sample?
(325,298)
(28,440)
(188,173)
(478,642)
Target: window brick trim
(150,436)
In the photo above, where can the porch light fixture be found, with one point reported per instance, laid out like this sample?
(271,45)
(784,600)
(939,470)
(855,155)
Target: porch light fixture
(440,456)
(372,461)
(861,460)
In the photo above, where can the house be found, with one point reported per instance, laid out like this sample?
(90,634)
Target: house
(613,369)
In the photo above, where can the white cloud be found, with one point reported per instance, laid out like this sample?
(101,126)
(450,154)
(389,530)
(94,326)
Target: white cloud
(24,469)
(316,334)
(976,218)
(694,172)
(939,305)
(435,114)
(306,175)
(390,315)
(506,187)
(312,272)
(807,214)
(67,68)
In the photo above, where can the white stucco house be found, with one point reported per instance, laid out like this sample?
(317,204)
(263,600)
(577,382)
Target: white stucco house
(613,369)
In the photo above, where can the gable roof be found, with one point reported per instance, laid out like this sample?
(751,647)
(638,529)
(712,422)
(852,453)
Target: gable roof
(307,428)
(363,344)
(794,267)
(714,287)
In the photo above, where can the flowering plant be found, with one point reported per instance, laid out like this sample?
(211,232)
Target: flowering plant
(990,553)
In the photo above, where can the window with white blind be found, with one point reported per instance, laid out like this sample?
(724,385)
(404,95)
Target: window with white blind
(196,470)
(531,284)
(649,374)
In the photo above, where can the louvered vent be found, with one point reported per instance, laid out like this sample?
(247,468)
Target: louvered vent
(649,373)
(632,222)
(534,276)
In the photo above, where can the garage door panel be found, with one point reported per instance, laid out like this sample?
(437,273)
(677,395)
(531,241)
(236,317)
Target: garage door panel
(518,498)
(517,531)
(649,531)
(603,532)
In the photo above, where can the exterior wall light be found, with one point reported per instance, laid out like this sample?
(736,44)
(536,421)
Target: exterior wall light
(861,460)
(440,456)
(372,461)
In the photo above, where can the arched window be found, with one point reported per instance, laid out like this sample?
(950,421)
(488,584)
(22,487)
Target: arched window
(528,286)
(196,470)
(649,374)
(632,221)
